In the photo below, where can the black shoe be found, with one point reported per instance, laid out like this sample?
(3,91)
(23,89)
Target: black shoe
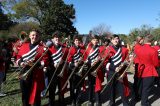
(147,104)
(133,101)
(137,99)
(158,85)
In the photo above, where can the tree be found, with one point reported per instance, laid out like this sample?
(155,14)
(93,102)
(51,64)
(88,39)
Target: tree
(101,29)
(52,15)
(156,33)
(58,17)
(124,38)
(5,23)
(142,31)
(27,26)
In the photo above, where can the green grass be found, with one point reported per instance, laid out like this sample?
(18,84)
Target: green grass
(12,89)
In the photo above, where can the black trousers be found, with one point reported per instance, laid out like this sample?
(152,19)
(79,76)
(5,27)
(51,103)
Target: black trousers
(137,84)
(157,79)
(116,86)
(52,89)
(25,89)
(92,93)
(75,92)
(147,84)
(25,86)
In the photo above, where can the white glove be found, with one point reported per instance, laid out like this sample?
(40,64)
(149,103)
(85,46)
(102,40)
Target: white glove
(56,65)
(30,62)
(93,63)
(76,64)
(22,64)
(45,69)
(117,69)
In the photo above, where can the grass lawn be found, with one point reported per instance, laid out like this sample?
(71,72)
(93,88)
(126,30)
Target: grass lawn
(12,89)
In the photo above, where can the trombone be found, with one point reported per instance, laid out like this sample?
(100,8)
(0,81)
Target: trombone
(89,70)
(94,73)
(121,76)
(65,64)
(123,66)
(15,74)
(74,69)
(25,75)
(118,69)
(54,74)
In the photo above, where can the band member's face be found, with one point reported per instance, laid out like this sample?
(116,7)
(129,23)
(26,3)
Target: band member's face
(141,41)
(94,41)
(106,43)
(115,41)
(76,42)
(34,37)
(56,40)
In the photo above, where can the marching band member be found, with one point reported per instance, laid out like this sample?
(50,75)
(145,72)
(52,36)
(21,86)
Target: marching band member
(148,61)
(136,84)
(75,61)
(93,58)
(58,53)
(32,86)
(16,46)
(117,56)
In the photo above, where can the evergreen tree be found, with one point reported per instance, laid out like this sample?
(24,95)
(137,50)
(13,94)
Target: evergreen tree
(52,15)
(5,23)
(56,15)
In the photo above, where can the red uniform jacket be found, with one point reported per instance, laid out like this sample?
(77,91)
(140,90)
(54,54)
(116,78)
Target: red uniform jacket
(99,77)
(16,47)
(111,52)
(148,60)
(136,48)
(73,52)
(25,54)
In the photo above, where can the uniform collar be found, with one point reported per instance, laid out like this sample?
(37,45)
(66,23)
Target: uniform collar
(77,47)
(147,44)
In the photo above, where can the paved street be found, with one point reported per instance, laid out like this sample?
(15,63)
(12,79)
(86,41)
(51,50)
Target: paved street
(154,97)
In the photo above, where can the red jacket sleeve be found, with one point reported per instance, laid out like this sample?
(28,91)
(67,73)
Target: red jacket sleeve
(155,59)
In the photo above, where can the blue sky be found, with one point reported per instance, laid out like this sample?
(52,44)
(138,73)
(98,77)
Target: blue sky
(120,15)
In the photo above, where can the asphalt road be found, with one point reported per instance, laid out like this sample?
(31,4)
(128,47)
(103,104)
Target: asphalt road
(154,97)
